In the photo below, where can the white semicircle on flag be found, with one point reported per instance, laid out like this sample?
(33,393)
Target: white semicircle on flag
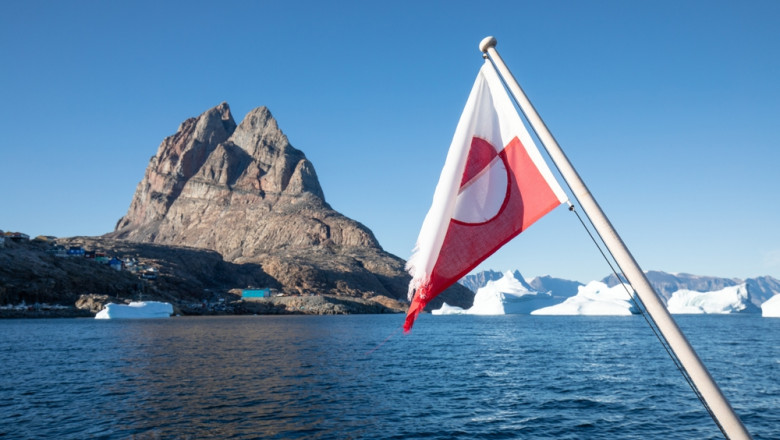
(480,199)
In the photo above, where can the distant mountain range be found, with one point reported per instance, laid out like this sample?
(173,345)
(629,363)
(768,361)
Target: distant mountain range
(759,289)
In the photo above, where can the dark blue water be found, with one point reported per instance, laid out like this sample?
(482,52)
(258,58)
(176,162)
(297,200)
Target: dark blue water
(340,377)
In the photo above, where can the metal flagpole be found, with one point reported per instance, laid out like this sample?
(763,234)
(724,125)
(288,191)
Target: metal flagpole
(721,410)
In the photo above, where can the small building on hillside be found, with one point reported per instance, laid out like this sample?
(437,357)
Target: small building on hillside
(57,250)
(17,236)
(252,293)
(130,263)
(115,263)
(149,273)
(75,251)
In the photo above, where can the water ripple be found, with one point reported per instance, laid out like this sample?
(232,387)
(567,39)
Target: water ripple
(324,378)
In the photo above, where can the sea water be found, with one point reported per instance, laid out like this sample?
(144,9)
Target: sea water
(360,377)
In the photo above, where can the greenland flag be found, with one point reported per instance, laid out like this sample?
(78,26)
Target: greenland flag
(494,185)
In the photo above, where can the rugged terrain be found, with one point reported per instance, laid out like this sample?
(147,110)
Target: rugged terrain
(224,206)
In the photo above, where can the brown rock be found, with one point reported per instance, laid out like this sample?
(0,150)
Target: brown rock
(245,192)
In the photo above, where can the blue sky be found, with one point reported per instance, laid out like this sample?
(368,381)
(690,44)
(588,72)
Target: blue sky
(669,110)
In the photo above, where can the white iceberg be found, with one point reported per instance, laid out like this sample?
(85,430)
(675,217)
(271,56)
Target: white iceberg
(136,310)
(505,296)
(447,309)
(595,298)
(728,300)
(508,296)
(771,307)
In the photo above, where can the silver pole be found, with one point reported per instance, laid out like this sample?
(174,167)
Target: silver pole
(724,415)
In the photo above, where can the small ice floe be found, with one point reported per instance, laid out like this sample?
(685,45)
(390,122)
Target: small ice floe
(136,310)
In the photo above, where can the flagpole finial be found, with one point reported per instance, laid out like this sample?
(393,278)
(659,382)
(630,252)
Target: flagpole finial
(487,43)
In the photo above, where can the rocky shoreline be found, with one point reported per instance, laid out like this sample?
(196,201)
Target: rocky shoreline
(37,284)
(195,281)
(317,305)
(292,305)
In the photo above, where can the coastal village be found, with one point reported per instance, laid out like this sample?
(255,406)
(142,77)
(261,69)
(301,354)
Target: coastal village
(143,268)
(94,272)
(115,262)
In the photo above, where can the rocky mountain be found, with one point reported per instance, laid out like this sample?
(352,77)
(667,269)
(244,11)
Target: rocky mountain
(666,283)
(758,290)
(244,191)
(240,190)
(761,289)
(558,286)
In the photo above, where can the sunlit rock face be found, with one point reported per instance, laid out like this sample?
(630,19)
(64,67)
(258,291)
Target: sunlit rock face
(244,191)
(240,190)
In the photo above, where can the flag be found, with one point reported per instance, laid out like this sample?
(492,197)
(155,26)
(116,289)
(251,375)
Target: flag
(494,185)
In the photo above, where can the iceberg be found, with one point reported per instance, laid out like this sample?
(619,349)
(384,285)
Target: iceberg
(447,309)
(508,296)
(136,310)
(771,307)
(505,296)
(727,300)
(595,298)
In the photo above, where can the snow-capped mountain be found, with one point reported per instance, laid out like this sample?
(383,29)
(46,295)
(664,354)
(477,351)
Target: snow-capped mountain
(761,289)
(666,283)
(557,286)
(683,293)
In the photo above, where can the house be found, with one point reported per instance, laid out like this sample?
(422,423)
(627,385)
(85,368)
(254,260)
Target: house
(57,250)
(17,236)
(115,263)
(130,263)
(149,273)
(255,293)
(76,251)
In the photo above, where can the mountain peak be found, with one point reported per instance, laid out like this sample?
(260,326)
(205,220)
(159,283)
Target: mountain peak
(245,192)
(241,190)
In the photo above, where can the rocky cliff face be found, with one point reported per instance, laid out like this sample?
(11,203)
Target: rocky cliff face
(240,190)
(245,192)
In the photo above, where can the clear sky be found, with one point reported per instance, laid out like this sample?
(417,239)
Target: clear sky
(670,111)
